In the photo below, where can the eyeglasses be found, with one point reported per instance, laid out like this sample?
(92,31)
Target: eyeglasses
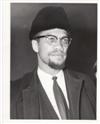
(52,39)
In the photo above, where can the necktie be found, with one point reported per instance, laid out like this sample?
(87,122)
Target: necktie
(60,99)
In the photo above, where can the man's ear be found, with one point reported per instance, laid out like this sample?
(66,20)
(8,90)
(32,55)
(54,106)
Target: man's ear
(35,46)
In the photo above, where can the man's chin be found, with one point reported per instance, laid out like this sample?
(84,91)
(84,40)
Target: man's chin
(57,66)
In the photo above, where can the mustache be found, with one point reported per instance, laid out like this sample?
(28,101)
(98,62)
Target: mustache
(56,52)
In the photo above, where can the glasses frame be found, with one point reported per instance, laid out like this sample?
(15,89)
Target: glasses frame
(47,36)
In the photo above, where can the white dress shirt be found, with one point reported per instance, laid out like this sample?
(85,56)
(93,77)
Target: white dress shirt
(47,83)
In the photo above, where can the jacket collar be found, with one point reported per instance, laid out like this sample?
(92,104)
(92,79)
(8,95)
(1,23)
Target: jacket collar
(73,85)
(31,100)
(35,105)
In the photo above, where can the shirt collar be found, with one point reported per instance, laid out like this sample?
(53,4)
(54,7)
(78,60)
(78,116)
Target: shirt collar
(45,74)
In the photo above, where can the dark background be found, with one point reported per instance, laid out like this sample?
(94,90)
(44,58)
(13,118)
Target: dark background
(83,50)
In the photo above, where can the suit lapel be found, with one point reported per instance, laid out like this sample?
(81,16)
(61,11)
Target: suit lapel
(73,86)
(46,108)
(30,101)
(36,104)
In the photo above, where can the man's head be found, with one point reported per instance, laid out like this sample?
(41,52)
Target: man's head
(50,36)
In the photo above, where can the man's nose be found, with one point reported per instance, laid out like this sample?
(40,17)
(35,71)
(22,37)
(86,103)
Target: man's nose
(59,44)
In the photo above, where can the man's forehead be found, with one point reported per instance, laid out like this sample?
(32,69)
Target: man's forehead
(54,31)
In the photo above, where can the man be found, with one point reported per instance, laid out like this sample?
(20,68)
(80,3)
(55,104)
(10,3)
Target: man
(50,91)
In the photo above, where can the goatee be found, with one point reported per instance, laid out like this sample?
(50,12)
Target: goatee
(57,66)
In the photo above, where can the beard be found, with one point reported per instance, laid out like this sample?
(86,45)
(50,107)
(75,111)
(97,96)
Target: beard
(56,60)
(57,66)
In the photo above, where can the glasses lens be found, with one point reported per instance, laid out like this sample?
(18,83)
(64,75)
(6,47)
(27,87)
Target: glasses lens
(65,41)
(51,38)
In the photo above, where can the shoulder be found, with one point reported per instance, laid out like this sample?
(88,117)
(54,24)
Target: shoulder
(19,81)
(77,75)
(88,83)
(18,85)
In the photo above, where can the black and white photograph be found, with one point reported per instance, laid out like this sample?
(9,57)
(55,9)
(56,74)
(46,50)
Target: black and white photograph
(53,61)
(49,61)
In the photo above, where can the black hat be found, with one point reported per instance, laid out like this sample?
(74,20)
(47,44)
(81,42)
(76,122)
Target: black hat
(49,18)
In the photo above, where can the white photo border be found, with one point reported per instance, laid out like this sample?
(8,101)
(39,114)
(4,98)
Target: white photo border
(5,61)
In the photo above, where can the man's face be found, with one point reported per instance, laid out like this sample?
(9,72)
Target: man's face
(52,46)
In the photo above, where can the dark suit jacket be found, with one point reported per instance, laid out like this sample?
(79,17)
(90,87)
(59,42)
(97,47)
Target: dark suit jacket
(29,100)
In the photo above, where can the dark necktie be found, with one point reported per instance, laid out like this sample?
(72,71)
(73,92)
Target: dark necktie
(60,99)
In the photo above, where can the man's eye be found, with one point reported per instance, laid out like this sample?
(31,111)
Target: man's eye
(65,40)
(51,39)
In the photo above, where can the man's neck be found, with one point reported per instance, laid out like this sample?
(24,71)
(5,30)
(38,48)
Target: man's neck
(49,70)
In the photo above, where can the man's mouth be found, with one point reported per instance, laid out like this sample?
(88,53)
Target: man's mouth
(57,53)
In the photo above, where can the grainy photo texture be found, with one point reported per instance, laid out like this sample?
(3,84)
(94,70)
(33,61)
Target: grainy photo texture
(53,61)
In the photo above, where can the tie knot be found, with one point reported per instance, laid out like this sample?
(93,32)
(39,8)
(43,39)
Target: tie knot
(54,78)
